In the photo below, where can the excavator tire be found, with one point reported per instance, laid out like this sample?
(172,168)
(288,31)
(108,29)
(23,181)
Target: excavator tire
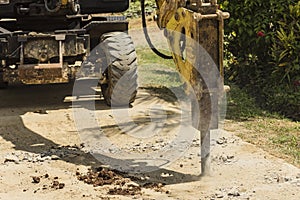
(121,69)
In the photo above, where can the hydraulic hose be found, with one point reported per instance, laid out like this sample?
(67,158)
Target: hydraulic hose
(58,6)
(156,51)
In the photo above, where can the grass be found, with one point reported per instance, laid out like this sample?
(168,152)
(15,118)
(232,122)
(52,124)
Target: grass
(155,71)
(275,134)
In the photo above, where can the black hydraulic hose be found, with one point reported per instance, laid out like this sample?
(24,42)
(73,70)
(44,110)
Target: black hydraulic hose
(156,51)
(56,9)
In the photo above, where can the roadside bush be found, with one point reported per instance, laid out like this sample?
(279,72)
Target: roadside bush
(286,48)
(263,51)
(134,10)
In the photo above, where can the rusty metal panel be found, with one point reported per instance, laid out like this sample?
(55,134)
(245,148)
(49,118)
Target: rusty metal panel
(42,74)
(37,74)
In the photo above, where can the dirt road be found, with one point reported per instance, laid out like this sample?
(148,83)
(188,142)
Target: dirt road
(42,155)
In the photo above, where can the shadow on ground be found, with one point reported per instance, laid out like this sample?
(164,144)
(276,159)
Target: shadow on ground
(18,100)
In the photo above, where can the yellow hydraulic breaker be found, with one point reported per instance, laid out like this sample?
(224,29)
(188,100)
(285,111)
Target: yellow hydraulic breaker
(194,30)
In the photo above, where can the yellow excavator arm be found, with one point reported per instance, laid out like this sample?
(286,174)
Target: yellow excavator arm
(200,22)
(194,30)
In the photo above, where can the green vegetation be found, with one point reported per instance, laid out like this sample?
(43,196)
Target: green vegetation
(134,10)
(263,52)
(156,71)
(270,131)
(241,106)
(263,69)
(279,137)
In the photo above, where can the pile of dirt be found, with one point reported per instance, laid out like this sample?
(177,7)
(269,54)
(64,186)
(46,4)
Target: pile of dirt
(100,176)
(122,183)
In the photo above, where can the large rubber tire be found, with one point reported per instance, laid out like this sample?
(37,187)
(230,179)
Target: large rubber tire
(121,71)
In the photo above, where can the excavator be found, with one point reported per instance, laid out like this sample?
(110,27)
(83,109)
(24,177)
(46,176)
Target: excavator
(48,41)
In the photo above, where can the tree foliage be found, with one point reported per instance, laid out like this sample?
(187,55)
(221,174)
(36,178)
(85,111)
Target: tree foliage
(263,51)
